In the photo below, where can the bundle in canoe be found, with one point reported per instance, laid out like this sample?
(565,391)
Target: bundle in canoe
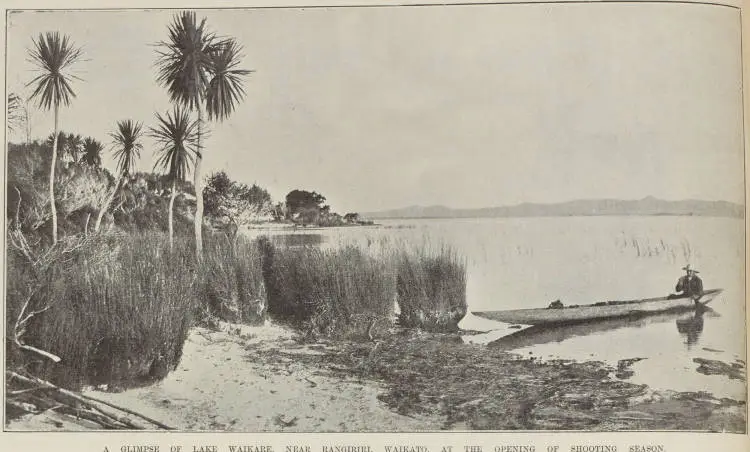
(598,311)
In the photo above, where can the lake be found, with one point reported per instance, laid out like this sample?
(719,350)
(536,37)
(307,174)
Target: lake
(529,262)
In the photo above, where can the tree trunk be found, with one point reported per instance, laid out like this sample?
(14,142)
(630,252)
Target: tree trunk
(171,214)
(106,205)
(199,191)
(27,123)
(52,180)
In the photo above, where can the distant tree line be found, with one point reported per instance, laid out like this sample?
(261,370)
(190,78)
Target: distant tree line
(309,208)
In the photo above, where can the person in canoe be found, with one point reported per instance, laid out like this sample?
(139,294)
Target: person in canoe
(690,285)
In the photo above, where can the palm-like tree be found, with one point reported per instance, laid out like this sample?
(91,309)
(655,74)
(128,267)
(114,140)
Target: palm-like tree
(128,148)
(54,55)
(177,137)
(200,71)
(128,145)
(92,152)
(74,146)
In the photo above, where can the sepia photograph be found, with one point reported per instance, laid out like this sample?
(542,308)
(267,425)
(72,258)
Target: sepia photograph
(378,218)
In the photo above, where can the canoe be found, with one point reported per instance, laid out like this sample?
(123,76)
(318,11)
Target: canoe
(597,311)
(689,324)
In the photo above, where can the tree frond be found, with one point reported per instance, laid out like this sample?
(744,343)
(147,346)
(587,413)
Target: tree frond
(183,60)
(54,56)
(127,145)
(176,135)
(225,88)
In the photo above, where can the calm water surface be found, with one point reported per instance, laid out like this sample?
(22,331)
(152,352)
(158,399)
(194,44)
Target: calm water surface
(529,262)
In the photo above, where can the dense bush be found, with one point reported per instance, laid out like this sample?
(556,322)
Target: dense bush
(340,293)
(80,190)
(141,210)
(119,308)
(230,205)
(431,289)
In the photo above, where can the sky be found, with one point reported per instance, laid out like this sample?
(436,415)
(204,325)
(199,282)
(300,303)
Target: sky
(463,106)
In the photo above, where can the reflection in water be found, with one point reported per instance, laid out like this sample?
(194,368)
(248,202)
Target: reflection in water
(298,239)
(690,325)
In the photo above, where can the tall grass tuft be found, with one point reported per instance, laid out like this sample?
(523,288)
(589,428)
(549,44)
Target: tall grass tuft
(338,293)
(233,281)
(431,288)
(120,307)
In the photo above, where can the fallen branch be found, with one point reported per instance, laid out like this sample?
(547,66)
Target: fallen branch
(39,351)
(20,328)
(90,402)
(24,391)
(126,410)
(97,418)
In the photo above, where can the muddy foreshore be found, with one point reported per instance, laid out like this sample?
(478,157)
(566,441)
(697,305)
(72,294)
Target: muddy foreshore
(266,378)
(474,387)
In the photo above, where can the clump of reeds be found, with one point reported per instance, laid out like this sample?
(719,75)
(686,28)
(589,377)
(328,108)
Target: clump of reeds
(645,247)
(115,309)
(232,280)
(431,287)
(339,293)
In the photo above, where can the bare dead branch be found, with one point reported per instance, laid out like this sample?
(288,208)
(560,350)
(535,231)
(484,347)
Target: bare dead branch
(95,411)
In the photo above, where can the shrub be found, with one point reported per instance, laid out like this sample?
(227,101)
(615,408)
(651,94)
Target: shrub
(141,209)
(233,281)
(339,293)
(120,307)
(80,190)
(431,289)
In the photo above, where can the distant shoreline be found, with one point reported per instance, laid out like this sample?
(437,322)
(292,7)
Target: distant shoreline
(478,217)
(648,206)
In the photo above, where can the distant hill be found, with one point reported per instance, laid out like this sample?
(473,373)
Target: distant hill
(581,207)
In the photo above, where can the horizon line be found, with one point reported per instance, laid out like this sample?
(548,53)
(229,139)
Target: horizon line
(548,203)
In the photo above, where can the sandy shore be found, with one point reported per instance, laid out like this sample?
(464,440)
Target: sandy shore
(262,379)
(220,385)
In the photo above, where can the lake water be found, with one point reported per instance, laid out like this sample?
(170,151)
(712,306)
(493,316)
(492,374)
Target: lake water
(529,262)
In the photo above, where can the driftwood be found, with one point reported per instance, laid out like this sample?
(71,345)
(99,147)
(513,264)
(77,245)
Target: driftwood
(86,407)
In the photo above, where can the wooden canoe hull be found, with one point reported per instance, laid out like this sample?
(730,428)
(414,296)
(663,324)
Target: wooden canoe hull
(600,311)
(686,322)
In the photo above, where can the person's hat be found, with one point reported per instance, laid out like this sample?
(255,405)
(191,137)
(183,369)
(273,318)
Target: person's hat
(687,268)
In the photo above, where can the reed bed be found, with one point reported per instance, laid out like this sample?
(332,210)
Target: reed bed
(350,285)
(115,309)
(232,281)
(338,293)
(431,288)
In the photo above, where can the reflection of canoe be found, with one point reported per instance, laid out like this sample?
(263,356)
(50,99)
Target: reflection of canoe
(598,311)
(544,334)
